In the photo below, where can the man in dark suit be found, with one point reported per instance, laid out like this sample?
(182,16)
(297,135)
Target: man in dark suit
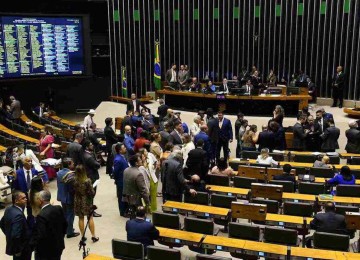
(177,133)
(321,121)
(172,177)
(162,109)
(329,221)
(213,133)
(111,138)
(338,86)
(286,176)
(197,162)
(266,139)
(312,140)
(50,229)
(134,104)
(225,135)
(120,164)
(139,230)
(224,86)
(330,138)
(40,110)
(299,134)
(15,108)
(171,77)
(202,135)
(127,120)
(165,136)
(353,138)
(74,149)
(16,229)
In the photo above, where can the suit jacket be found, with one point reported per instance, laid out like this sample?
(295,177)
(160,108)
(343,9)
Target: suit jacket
(162,111)
(74,150)
(299,137)
(120,164)
(198,163)
(207,143)
(313,140)
(16,230)
(329,222)
(15,109)
(176,139)
(168,75)
(20,181)
(353,140)
(222,88)
(339,80)
(49,231)
(213,129)
(165,138)
(330,139)
(225,132)
(134,187)
(139,230)
(285,177)
(130,105)
(91,166)
(172,178)
(322,126)
(110,137)
(65,191)
(266,140)
(126,121)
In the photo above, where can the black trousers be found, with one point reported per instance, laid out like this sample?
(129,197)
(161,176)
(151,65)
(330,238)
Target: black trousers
(224,144)
(167,197)
(338,94)
(109,163)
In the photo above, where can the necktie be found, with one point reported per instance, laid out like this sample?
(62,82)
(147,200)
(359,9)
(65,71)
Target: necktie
(28,180)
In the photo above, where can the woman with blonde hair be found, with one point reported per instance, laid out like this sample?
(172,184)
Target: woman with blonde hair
(83,200)
(265,158)
(155,147)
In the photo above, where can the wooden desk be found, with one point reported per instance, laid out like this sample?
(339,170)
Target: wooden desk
(223,243)
(351,112)
(313,253)
(146,99)
(228,190)
(348,155)
(3,149)
(98,257)
(173,206)
(180,236)
(64,121)
(210,211)
(252,172)
(18,135)
(27,121)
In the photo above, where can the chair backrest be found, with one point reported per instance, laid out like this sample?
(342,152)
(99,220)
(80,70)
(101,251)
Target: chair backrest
(307,158)
(166,220)
(300,170)
(127,250)
(222,201)
(287,185)
(244,231)
(331,241)
(279,157)
(340,209)
(155,253)
(211,257)
(298,209)
(219,180)
(334,159)
(311,188)
(269,191)
(203,226)
(243,182)
(272,205)
(356,174)
(355,161)
(322,172)
(348,190)
(201,198)
(281,236)
(252,172)
(250,154)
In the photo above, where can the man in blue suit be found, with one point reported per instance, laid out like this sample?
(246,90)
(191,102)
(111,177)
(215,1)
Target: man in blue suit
(225,135)
(203,135)
(16,229)
(65,194)
(139,230)
(23,183)
(120,164)
(129,141)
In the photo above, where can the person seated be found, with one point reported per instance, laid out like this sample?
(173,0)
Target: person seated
(248,86)
(271,79)
(222,168)
(194,85)
(210,88)
(139,230)
(287,175)
(41,109)
(224,86)
(322,162)
(255,79)
(265,158)
(345,177)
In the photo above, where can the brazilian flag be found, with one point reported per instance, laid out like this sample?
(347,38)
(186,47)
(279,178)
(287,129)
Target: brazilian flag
(123,82)
(157,67)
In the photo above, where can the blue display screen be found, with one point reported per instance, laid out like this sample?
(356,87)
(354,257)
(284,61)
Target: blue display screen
(41,46)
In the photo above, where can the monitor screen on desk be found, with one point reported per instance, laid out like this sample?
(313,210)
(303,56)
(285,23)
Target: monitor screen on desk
(220,96)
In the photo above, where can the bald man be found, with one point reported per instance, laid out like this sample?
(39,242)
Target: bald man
(338,87)
(129,141)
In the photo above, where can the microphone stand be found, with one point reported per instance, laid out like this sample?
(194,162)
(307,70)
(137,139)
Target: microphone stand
(82,243)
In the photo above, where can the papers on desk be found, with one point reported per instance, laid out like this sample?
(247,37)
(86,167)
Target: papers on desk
(333,153)
(316,153)
(326,197)
(278,151)
(55,145)
(50,162)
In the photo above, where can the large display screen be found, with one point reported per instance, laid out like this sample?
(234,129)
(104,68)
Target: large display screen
(41,46)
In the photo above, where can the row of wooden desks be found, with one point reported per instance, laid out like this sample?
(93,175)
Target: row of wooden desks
(18,135)
(286,195)
(64,121)
(29,122)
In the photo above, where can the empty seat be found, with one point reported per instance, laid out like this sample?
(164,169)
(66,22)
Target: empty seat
(222,201)
(306,158)
(298,209)
(322,172)
(244,231)
(281,236)
(300,170)
(166,220)
(127,250)
(348,190)
(311,188)
(201,198)
(211,257)
(323,240)
(155,253)
(219,180)
(340,209)
(356,174)
(250,154)
(203,226)
(287,185)
(243,182)
(272,205)
(279,157)
(334,159)
(355,161)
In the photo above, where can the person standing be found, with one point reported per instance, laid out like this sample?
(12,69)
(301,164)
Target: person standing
(177,133)
(171,76)
(225,136)
(50,228)
(338,87)
(312,140)
(65,194)
(134,104)
(14,225)
(213,133)
(183,77)
(120,164)
(15,108)
(299,134)
(353,138)
(162,110)
(330,137)
(111,139)
(89,119)
(46,150)
(74,149)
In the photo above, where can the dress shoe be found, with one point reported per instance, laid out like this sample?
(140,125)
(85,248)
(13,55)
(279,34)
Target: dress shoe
(340,106)
(95,239)
(96,215)
(75,234)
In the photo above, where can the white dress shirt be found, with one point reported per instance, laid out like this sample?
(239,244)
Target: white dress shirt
(194,129)
(173,76)
(88,120)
